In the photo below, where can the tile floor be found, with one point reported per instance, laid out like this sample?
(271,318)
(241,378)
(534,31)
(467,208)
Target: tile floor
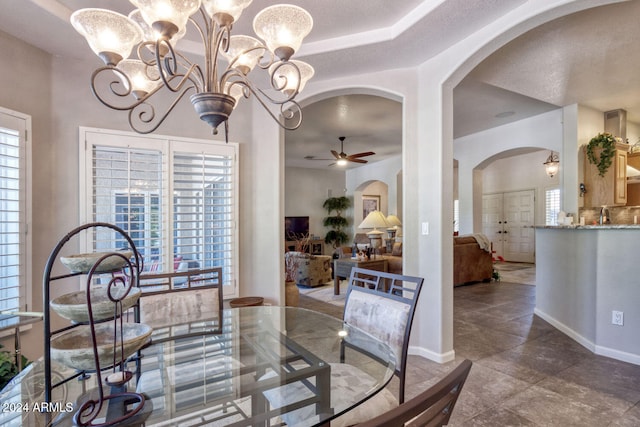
(525,372)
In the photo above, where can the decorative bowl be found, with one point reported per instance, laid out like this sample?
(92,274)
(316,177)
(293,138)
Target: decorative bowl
(75,350)
(73,306)
(82,263)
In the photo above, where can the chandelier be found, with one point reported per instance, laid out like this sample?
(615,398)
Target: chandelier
(152,30)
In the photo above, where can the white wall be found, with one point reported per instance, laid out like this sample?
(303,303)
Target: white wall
(305,190)
(477,151)
(26,75)
(523,172)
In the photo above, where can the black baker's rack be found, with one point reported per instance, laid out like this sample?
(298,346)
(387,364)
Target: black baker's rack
(118,399)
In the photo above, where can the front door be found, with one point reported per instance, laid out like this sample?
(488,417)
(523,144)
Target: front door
(507,220)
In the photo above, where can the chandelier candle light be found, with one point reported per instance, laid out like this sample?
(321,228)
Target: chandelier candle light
(152,31)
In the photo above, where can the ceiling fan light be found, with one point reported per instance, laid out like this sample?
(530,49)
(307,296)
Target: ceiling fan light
(341,162)
(232,8)
(287,76)
(168,17)
(283,27)
(110,35)
(243,53)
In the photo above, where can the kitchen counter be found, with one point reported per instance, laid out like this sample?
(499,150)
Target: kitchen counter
(584,274)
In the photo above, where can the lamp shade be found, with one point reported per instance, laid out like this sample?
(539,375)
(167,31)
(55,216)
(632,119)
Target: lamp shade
(287,76)
(158,13)
(229,7)
(283,27)
(110,35)
(552,165)
(393,221)
(240,53)
(143,78)
(148,33)
(374,220)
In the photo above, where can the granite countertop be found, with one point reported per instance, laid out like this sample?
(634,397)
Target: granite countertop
(592,227)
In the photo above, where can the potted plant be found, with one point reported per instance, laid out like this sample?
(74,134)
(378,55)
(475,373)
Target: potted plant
(607,143)
(8,367)
(336,236)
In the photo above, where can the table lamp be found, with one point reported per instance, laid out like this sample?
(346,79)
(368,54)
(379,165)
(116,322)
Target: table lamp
(394,223)
(375,220)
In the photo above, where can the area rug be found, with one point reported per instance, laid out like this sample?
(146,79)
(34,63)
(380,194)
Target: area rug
(324,293)
(517,272)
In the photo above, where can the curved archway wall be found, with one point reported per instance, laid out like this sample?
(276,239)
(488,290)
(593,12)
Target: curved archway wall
(427,95)
(474,152)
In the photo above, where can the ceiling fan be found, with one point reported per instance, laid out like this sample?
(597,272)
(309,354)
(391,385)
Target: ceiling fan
(343,158)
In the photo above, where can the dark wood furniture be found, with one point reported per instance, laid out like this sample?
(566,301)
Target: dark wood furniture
(342,268)
(432,407)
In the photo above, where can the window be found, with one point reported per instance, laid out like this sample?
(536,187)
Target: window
(15,211)
(456,216)
(552,206)
(176,199)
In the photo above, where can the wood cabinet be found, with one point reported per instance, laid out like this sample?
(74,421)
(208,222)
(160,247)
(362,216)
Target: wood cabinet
(633,183)
(610,189)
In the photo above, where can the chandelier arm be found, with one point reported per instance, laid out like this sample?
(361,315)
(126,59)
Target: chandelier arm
(221,40)
(144,113)
(244,52)
(205,38)
(168,65)
(117,88)
(285,80)
(194,71)
(288,107)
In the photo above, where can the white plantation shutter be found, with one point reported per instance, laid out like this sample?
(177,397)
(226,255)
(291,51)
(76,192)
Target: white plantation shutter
(176,199)
(203,210)
(127,189)
(552,206)
(15,291)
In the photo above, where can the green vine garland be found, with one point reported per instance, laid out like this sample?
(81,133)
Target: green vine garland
(607,142)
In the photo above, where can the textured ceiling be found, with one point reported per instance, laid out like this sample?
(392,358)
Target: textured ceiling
(590,58)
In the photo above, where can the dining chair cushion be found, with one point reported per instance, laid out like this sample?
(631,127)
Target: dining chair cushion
(161,310)
(384,318)
(346,380)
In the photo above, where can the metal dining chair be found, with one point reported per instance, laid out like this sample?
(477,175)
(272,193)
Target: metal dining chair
(382,304)
(432,407)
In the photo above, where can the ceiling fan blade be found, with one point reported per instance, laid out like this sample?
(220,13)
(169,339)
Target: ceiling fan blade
(367,153)
(356,160)
(335,154)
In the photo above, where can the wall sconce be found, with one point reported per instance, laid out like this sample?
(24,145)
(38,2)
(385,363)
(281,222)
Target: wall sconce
(552,164)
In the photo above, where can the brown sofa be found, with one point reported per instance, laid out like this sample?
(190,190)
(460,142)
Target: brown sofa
(471,263)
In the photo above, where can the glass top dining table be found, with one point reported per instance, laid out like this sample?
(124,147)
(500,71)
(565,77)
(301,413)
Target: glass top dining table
(242,366)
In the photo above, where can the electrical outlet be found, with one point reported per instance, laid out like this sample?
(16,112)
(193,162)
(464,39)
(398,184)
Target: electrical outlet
(617,317)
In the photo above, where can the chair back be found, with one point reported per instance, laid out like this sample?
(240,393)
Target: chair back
(432,407)
(169,298)
(383,305)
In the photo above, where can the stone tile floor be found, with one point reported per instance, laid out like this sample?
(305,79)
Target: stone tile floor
(525,372)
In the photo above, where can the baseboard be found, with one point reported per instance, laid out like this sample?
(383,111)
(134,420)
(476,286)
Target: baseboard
(436,357)
(586,343)
(618,355)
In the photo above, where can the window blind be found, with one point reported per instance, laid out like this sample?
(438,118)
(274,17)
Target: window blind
(12,207)
(552,206)
(176,199)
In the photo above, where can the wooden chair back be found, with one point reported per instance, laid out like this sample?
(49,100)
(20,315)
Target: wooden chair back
(432,407)
(382,304)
